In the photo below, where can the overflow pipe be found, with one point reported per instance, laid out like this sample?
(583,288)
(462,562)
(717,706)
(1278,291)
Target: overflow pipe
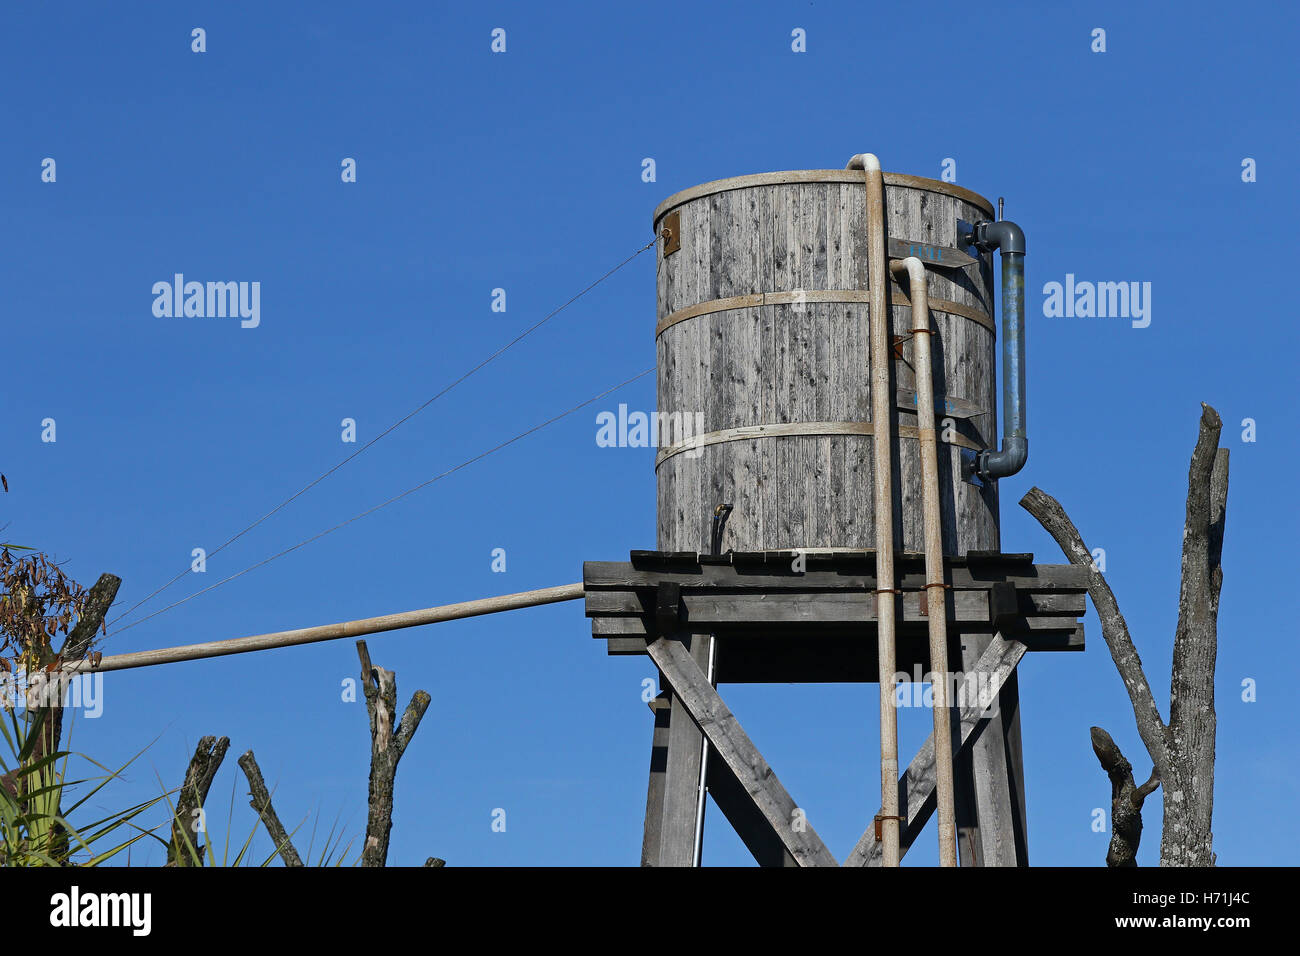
(936,603)
(882,466)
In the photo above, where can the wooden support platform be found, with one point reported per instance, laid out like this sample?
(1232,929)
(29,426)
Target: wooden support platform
(783,617)
(775,624)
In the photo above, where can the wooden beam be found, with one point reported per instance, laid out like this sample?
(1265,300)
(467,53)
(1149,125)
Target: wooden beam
(1040,633)
(969,606)
(615,575)
(745,817)
(729,740)
(916,799)
(330,632)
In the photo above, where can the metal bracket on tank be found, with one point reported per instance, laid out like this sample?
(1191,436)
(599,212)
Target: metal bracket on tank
(672,233)
(970,467)
(966,236)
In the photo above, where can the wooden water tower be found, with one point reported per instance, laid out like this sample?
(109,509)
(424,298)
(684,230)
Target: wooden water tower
(766,568)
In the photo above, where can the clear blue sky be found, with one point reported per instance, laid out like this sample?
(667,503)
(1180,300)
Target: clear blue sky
(522,171)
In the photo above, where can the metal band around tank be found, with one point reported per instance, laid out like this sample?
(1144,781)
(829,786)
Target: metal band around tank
(789,430)
(857,296)
(850,176)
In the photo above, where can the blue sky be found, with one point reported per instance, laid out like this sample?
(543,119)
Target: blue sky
(522,171)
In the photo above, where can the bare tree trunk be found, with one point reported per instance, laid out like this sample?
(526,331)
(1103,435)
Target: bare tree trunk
(50,714)
(83,634)
(47,719)
(1183,749)
(185,849)
(386,748)
(1189,792)
(261,802)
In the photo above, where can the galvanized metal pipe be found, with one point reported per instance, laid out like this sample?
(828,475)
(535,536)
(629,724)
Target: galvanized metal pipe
(936,605)
(330,632)
(882,466)
(1009,239)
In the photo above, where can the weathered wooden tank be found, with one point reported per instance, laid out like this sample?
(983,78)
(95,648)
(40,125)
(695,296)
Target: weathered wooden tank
(762,345)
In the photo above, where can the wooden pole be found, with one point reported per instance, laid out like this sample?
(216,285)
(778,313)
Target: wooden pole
(881,396)
(937,604)
(330,632)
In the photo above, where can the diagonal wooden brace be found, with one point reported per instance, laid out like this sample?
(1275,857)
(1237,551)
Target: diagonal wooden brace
(734,747)
(916,797)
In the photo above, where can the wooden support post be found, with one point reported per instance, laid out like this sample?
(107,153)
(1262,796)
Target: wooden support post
(661,706)
(916,788)
(711,716)
(681,781)
(969,851)
(1010,705)
(993,827)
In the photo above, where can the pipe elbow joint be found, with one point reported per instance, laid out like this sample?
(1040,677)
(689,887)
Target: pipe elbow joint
(1003,235)
(991,465)
(914,268)
(865,161)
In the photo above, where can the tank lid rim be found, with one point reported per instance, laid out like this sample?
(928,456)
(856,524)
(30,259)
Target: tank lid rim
(814,176)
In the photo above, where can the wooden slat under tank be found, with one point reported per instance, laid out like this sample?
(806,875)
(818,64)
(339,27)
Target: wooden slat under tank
(791,349)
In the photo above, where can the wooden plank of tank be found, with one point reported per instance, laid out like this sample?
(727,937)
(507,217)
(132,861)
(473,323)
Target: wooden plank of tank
(916,786)
(802,296)
(732,744)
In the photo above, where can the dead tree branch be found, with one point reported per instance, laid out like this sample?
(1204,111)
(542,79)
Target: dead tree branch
(1126,800)
(184,849)
(386,748)
(1114,629)
(261,802)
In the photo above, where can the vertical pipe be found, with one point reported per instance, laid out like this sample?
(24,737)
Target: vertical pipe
(1013,348)
(934,587)
(991,464)
(882,465)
